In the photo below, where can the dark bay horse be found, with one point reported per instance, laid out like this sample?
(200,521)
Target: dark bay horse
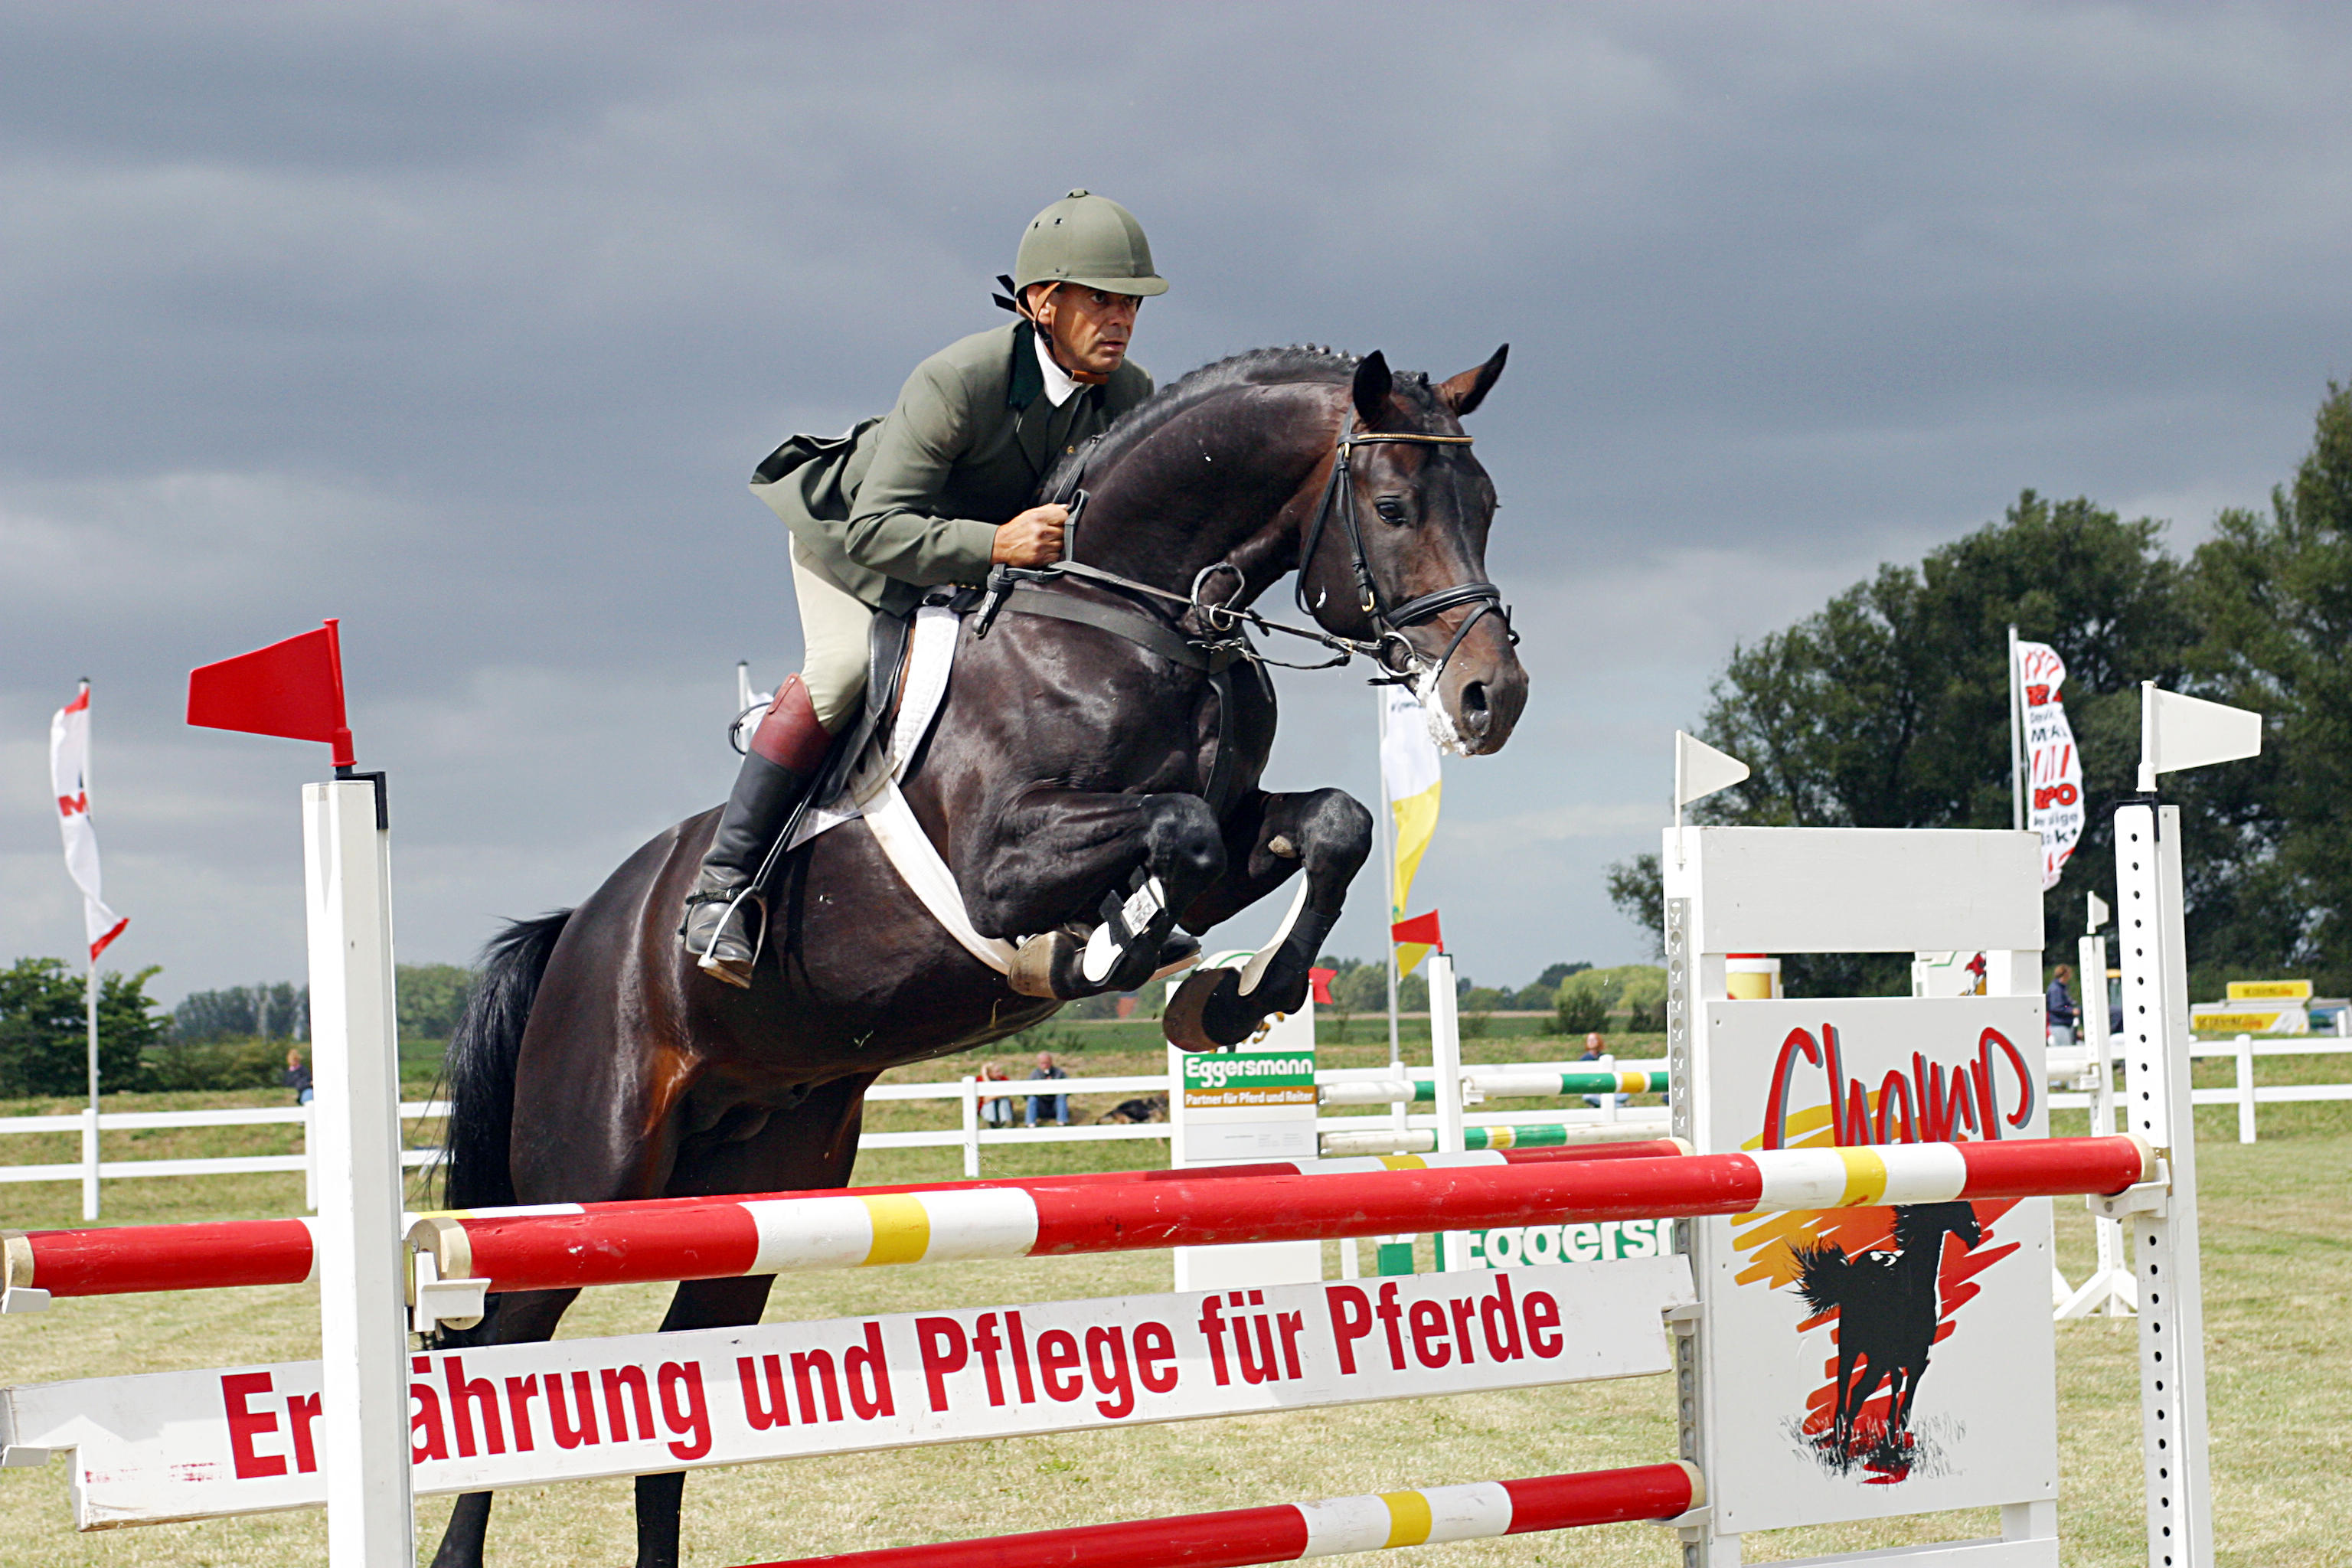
(596,1063)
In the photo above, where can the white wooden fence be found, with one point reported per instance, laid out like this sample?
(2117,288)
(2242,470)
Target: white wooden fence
(971,1136)
(973,1133)
(2245,1094)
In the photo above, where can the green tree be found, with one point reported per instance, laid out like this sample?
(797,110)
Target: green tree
(432,997)
(1888,708)
(43,1033)
(2274,597)
(1545,989)
(1638,890)
(1356,988)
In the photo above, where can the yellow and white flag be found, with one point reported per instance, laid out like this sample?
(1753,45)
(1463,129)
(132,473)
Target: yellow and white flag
(1409,778)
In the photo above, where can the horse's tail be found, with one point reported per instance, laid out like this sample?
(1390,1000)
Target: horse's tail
(481,1068)
(1822,1276)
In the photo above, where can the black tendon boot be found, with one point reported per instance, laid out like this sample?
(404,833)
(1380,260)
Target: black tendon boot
(786,751)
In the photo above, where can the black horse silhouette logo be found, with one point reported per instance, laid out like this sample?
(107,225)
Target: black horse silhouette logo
(1889,1306)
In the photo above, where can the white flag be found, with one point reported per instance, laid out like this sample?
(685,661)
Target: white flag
(1700,770)
(70,779)
(2177,732)
(2053,808)
(1413,780)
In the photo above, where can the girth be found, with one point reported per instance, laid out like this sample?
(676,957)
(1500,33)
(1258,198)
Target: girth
(1147,632)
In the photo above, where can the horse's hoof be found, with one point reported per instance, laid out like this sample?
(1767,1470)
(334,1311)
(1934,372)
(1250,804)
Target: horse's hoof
(1185,1022)
(1036,961)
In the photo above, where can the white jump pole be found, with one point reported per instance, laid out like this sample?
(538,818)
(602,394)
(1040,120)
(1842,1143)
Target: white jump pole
(346,866)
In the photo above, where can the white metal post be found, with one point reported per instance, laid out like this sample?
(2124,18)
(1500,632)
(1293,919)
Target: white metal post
(971,1127)
(89,1163)
(1445,1066)
(1388,870)
(2149,926)
(2245,1089)
(90,1137)
(90,1201)
(356,1093)
(2016,738)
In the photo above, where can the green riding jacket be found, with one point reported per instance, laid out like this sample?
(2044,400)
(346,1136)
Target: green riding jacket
(914,499)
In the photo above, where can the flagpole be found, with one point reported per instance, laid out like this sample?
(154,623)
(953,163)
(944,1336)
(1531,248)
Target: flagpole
(89,1200)
(2016,738)
(1387,862)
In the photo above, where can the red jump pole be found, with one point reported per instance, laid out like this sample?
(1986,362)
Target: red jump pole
(720,1238)
(1240,1536)
(123,1260)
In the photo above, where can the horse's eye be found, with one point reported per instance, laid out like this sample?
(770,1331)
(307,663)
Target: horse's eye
(1391,508)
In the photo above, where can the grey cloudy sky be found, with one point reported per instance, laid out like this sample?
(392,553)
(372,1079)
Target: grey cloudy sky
(465,323)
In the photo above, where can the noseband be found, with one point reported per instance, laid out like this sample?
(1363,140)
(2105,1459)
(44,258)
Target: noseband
(1395,651)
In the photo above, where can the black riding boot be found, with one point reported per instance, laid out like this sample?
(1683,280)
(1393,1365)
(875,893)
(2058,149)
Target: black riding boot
(785,753)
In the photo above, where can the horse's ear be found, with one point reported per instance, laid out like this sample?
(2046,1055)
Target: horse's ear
(1373,383)
(1463,393)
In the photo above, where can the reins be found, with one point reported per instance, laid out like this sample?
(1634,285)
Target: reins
(1408,665)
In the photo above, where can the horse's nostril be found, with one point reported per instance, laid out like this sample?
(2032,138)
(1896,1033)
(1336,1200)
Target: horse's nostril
(1475,715)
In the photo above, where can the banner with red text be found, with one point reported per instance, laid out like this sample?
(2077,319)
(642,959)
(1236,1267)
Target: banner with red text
(2053,804)
(195,1445)
(69,783)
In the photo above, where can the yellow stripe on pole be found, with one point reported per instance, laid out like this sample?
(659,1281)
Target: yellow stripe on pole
(902,1230)
(1865,1177)
(1409,1518)
(1404,1162)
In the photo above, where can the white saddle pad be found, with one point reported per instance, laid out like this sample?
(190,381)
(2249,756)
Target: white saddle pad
(871,790)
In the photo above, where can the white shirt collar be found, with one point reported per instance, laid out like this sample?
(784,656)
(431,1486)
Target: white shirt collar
(1058,384)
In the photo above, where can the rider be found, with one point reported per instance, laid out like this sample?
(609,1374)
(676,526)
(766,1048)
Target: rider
(935,492)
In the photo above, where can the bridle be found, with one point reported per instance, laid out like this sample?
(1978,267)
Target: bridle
(1394,652)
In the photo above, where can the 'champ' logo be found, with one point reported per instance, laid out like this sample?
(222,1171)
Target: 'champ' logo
(1930,1105)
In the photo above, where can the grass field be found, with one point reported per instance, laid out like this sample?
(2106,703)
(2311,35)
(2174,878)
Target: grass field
(2278,1263)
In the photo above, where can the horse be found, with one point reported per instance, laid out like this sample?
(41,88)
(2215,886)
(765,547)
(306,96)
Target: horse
(1068,765)
(1888,1308)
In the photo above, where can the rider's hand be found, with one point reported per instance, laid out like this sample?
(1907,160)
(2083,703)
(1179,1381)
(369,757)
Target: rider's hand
(1032,538)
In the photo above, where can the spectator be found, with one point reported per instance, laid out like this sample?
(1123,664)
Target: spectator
(2061,1011)
(1595,1047)
(1040,1105)
(996,1111)
(297,1077)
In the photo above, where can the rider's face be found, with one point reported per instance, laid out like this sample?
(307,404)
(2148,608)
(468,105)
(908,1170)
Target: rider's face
(1090,328)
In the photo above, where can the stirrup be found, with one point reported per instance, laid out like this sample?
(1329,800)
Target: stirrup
(754,937)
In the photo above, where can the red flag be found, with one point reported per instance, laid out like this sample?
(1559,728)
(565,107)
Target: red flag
(1320,981)
(1422,929)
(293,688)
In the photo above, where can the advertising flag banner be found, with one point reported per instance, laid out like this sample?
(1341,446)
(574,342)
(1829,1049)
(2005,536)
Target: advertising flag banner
(69,783)
(1410,779)
(2053,767)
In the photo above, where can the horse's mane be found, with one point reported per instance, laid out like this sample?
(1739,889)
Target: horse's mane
(1300,362)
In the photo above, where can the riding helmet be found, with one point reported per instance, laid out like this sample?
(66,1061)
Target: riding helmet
(1088,240)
